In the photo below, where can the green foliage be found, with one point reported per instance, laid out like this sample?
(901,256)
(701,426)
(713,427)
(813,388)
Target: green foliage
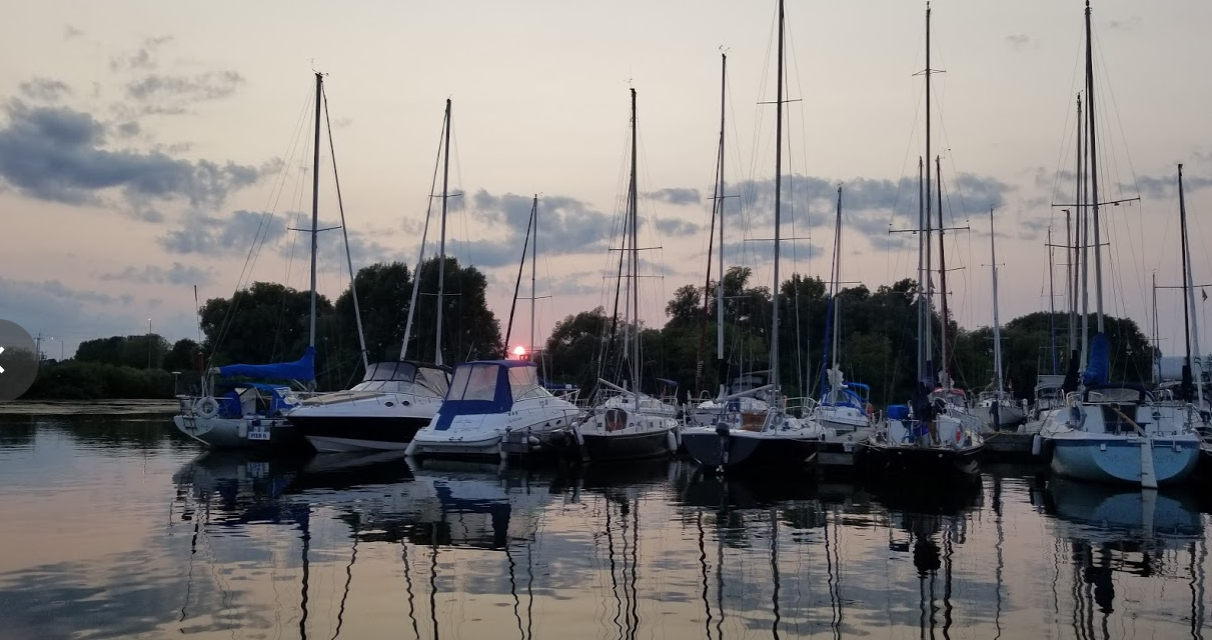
(79,380)
(140,351)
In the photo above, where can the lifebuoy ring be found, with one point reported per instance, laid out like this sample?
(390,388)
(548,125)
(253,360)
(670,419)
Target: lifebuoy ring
(206,407)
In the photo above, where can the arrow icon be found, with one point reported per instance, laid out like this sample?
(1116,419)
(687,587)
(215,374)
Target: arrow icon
(1,351)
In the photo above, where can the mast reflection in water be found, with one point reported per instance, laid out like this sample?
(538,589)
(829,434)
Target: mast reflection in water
(119,529)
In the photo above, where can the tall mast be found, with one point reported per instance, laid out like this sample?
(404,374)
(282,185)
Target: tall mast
(635,259)
(721,368)
(997,325)
(1075,259)
(942,280)
(1051,300)
(922,308)
(929,347)
(1156,336)
(315,208)
(534,252)
(1190,318)
(353,279)
(1090,134)
(837,276)
(437,358)
(778,193)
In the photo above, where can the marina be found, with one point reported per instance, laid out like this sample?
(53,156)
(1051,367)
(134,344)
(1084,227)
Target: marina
(121,527)
(886,371)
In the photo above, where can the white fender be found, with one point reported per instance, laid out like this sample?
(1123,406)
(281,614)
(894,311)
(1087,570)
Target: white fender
(206,407)
(1037,445)
(412,448)
(671,441)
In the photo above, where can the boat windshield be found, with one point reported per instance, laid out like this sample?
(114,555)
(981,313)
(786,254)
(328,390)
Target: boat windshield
(524,383)
(474,382)
(404,377)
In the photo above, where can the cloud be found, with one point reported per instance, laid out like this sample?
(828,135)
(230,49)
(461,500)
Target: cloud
(177,274)
(172,93)
(56,154)
(142,57)
(676,227)
(70,32)
(1019,41)
(44,89)
(1165,186)
(676,195)
(566,225)
(210,236)
(236,234)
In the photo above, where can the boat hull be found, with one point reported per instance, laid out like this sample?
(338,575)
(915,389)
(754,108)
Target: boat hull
(843,450)
(1117,459)
(919,460)
(622,446)
(749,450)
(241,433)
(1009,418)
(345,434)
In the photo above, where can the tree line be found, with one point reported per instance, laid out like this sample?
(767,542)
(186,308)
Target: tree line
(876,334)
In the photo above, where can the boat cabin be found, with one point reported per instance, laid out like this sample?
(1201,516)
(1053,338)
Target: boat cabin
(405,377)
(489,386)
(255,399)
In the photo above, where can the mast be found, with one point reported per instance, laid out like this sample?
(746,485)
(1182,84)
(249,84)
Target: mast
(721,368)
(437,359)
(534,252)
(1190,319)
(831,324)
(922,317)
(929,346)
(353,280)
(635,260)
(1156,336)
(997,325)
(1074,254)
(837,276)
(942,280)
(517,284)
(315,208)
(1051,300)
(1090,134)
(778,193)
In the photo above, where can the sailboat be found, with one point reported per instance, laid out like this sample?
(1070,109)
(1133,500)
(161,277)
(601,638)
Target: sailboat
(995,407)
(395,399)
(1113,431)
(496,408)
(930,433)
(709,411)
(842,408)
(253,414)
(625,422)
(781,441)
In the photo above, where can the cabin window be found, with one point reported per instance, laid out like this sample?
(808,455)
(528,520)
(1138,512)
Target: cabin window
(474,382)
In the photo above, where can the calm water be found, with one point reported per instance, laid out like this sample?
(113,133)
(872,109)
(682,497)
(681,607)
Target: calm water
(115,527)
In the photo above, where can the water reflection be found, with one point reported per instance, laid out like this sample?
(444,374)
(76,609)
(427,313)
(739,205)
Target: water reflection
(371,545)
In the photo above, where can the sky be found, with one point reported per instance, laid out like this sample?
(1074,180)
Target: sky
(144,144)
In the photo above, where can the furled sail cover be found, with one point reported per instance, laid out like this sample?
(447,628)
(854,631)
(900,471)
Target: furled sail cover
(1098,370)
(302,369)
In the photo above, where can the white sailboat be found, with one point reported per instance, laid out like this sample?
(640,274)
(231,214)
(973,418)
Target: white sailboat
(1114,432)
(625,422)
(996,407)
(935,432)
(247,414)
(781,442)
(396,399)
(708,412)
